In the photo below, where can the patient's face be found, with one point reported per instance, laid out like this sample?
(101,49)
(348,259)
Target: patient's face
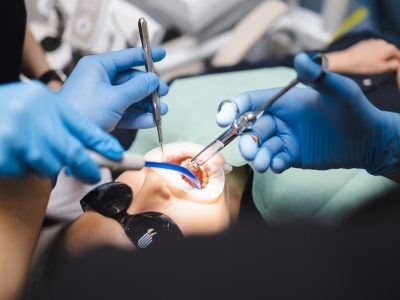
(204,211)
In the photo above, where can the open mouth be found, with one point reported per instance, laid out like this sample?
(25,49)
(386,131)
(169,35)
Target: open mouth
(211,175)
(201,173)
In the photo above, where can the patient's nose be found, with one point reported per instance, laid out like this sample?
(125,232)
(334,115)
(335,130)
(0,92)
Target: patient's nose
(153,196)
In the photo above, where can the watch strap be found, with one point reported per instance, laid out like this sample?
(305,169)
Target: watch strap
(51,75)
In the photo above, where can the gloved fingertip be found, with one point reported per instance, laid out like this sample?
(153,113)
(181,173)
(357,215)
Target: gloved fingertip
(151,82)
(226,115)
(95,178)
(222,120)
(261,161)
(151,77)
(115,152)
(91,174)
(162,89)
(163,108)
(158,53)
(108,146)
(248,147)
(258,168)
(279,164)
(307,70)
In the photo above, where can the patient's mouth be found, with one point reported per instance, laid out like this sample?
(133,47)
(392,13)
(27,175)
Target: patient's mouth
(201,173)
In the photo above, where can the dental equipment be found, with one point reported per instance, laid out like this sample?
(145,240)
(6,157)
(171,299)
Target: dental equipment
(246,121)
(131,161)
(144,37)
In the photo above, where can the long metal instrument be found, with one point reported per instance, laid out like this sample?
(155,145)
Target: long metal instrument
(155,101)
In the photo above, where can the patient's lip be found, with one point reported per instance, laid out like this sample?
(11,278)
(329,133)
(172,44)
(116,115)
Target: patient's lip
(184,160)
(215,172)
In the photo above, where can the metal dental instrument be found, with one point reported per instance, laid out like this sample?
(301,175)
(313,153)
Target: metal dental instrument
(131,161)
(247,120)
(144,37)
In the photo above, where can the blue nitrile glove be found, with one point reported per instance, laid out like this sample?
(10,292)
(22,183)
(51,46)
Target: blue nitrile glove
(40,133)
(102,87)
(330,126)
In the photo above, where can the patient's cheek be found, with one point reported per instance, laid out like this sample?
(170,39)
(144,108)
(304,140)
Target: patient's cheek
(201,173)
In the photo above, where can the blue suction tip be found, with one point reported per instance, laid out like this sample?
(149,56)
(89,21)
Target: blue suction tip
(185,172)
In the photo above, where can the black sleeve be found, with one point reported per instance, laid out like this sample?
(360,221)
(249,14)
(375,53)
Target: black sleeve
(12,34)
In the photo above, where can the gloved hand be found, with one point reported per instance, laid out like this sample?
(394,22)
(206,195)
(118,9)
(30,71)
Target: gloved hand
(40,133)
(330,126)
(102,87)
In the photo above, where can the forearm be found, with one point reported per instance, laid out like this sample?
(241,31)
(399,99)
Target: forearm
(34,62)
(339,62)
(366,57)
(22,208)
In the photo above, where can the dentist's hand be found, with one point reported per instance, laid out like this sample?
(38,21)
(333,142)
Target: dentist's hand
(330,126)
(102,88)
(40,133)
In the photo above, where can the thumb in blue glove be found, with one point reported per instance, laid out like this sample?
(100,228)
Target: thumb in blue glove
(103,87)
(40,134)
(331,126)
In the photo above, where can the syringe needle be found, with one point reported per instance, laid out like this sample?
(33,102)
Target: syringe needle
(208,152)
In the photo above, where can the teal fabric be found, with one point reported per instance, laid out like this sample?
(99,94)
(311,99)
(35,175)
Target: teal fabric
(321,195)
(325,196)
(193,104)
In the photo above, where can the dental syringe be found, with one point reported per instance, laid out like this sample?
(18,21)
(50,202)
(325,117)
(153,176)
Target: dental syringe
(246,121)
(242,123)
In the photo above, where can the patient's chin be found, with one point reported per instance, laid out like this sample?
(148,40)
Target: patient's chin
(211,175)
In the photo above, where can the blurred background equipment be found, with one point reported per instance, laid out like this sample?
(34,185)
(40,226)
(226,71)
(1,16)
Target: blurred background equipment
(97,26)
(196,34)
(69,29)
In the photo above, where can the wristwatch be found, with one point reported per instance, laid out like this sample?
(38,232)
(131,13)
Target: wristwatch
(50,75)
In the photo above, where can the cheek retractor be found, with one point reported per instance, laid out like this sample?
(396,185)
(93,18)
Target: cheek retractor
(131,161)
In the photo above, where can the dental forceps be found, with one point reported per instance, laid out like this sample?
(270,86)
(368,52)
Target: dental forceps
(132,161)
(155,101)
(246,121)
